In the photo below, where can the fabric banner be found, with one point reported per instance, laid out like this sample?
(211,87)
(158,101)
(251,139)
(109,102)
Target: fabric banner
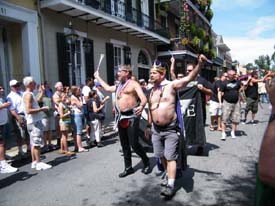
(191,109)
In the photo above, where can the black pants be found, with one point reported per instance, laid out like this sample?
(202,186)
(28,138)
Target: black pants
(129,138)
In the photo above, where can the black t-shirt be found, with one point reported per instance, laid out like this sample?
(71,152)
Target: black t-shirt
(231,90)
(205,84)
(215,86)
(252,91)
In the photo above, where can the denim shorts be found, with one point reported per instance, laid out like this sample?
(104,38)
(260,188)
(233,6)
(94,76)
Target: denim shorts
(77,123)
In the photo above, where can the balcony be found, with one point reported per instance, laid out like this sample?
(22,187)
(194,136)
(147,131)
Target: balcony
(117,15)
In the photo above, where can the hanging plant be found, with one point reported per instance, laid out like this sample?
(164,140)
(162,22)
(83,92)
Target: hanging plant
(209,14)
(210,42)
(193,29)
(212,53)
(166,6)
(196,41)
(158,8)
(205,48)
(184,19)
(202,5)
(201,33)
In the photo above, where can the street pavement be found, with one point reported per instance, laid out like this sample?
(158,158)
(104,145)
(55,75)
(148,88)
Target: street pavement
(224,175)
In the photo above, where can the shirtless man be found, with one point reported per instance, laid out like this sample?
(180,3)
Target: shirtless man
(162,113)
(128,111)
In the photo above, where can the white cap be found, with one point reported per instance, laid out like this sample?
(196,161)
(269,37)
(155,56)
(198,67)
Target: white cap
(14,82)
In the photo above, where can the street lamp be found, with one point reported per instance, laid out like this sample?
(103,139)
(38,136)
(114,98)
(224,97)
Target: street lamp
(71,37)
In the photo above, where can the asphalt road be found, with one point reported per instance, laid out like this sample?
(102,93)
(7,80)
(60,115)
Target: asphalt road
(224,175)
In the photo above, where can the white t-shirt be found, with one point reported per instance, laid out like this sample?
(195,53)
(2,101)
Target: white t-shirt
(16,101)
(3,113)
(85,92)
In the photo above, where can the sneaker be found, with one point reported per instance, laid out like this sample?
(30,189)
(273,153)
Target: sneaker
(164,182)
(233,135)
(168,191)
(223,136)
(243,121)
(99,144)
(6,168)
(42,166)
(33,165)
(253,122)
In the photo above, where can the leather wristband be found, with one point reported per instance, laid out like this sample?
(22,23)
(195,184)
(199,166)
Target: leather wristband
(149,126)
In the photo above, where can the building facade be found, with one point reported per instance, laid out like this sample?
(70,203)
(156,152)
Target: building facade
(20,53)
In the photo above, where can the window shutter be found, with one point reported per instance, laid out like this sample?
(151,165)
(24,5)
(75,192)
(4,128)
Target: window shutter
(139,14)
(107,6)
(151,14)
(128,11)
(110,63)
(63,59)
(127,60)
(89,58)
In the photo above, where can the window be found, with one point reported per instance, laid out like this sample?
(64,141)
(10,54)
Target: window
(118,57)
(118,8)
(143,66)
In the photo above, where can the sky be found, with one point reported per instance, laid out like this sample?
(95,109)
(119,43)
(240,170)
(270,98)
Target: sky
(247,27)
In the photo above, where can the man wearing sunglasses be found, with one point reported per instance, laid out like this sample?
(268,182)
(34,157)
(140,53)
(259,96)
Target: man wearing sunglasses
(18,117)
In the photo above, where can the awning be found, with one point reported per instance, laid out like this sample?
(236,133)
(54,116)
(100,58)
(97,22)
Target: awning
(98,16)
(180,52)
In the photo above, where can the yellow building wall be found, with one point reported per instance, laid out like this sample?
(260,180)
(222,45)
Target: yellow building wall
(29,4)
(15,39)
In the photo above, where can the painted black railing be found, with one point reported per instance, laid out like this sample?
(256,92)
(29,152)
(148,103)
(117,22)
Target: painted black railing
(126,12)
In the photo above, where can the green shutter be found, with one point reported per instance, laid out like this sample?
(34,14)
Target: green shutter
(127,60)
(89,58)
(63,59)
(110,63)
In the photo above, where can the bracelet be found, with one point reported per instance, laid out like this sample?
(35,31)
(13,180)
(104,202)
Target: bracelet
(149,126)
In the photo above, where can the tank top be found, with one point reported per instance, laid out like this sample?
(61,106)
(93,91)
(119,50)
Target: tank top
(35,117)
(67,119)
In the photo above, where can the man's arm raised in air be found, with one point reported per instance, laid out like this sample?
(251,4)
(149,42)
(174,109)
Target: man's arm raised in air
(178,84)
(105,86)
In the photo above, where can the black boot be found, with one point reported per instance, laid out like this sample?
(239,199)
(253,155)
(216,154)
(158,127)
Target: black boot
(126,172)
(147,168)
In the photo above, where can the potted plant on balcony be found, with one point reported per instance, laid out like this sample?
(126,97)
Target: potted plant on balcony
(212,53)
(201,33)
(202,5)
(205,48)
(193,29)
(209,14)
(195,42)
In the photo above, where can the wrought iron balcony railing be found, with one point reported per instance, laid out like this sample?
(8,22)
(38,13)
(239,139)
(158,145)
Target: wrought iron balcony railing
(124,11)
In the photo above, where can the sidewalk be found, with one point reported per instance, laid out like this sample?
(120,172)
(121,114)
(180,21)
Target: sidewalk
(108,132)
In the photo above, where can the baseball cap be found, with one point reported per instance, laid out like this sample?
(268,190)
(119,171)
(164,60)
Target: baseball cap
(14,82)
(97,84)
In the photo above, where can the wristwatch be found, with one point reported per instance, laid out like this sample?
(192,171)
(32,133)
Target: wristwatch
(272,117)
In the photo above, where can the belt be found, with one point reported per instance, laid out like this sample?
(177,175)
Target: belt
(21,114)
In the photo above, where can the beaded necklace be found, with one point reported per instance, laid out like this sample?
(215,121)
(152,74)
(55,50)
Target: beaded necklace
(161,88)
